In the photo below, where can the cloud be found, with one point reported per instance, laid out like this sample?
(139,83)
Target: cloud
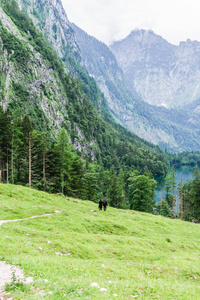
(110,20)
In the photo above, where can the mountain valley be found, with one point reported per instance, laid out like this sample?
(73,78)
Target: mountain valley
(174,129)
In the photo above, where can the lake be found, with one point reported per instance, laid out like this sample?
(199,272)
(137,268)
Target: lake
(187,173)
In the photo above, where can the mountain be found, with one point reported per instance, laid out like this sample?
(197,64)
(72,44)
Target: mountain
(162,74)
(37,83)
(102,65)
(173,129)
(118,100)
(50,17)
(114,97)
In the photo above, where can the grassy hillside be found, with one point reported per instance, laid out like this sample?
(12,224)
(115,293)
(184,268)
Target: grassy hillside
(126,252)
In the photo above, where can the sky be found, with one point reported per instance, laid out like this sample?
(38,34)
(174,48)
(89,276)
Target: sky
(112,20)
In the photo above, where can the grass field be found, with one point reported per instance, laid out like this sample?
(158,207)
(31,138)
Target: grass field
(130,254)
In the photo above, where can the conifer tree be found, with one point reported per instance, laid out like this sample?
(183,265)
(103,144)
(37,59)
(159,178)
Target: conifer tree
(120,193)
(90,188)
(163,209)
(170,185)
(5,143)
(195,192)
(141,192)
(62,151)
(37,159)
(25,161)
(76,175)
(112,188)
(17,145)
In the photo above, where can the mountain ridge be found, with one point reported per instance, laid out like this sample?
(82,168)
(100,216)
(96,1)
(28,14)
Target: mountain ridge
(162,73)
(152,123)
(34,83)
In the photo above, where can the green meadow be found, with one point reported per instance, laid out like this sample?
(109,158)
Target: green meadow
(128,253)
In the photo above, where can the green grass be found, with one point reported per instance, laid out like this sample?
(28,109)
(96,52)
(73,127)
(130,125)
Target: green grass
(126,252)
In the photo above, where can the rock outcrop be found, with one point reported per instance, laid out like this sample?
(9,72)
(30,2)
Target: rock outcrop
(163,74)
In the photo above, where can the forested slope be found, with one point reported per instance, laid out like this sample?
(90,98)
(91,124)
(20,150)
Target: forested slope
(38,99)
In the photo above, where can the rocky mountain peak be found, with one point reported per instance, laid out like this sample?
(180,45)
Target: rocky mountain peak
(51,18)
(144,36)
(162,74)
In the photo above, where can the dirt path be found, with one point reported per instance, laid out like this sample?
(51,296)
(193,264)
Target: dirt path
(16,220)
(6,270)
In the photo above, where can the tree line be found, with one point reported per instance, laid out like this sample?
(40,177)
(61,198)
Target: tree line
(182,199)
(30,157)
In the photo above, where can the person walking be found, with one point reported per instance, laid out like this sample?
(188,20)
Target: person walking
(100,204)
(105,203)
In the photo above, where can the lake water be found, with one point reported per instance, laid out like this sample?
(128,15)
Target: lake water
(187,173)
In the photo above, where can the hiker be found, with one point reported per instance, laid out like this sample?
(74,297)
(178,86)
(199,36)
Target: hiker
(100,204)
(105,203)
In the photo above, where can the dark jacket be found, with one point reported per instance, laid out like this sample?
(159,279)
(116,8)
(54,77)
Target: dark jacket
(100,204)
(105,203)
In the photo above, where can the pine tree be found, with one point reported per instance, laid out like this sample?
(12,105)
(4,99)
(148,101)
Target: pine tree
(163,209)
(120,192)
(5,143)
(141,192)
(90,188)
(195,193)
(17,145)
(170,185)
(76,175)
(112,188)
(25,155)
(64,161)
(37,159)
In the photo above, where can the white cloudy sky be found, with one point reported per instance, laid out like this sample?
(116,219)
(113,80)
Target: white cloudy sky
(108,20)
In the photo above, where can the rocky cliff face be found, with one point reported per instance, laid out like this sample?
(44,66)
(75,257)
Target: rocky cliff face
(162,74)
(173,129)
(50,17)
(32,78)
(30,84)
(34,82)
(102,65)
(152,124)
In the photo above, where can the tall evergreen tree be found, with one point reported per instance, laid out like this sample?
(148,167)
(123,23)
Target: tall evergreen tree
(25,159)
(63,163)
(195,192)
(141,192)
(90,188)
(112,188)
(170,185)
(5,143)
(120,190)
(163,209)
